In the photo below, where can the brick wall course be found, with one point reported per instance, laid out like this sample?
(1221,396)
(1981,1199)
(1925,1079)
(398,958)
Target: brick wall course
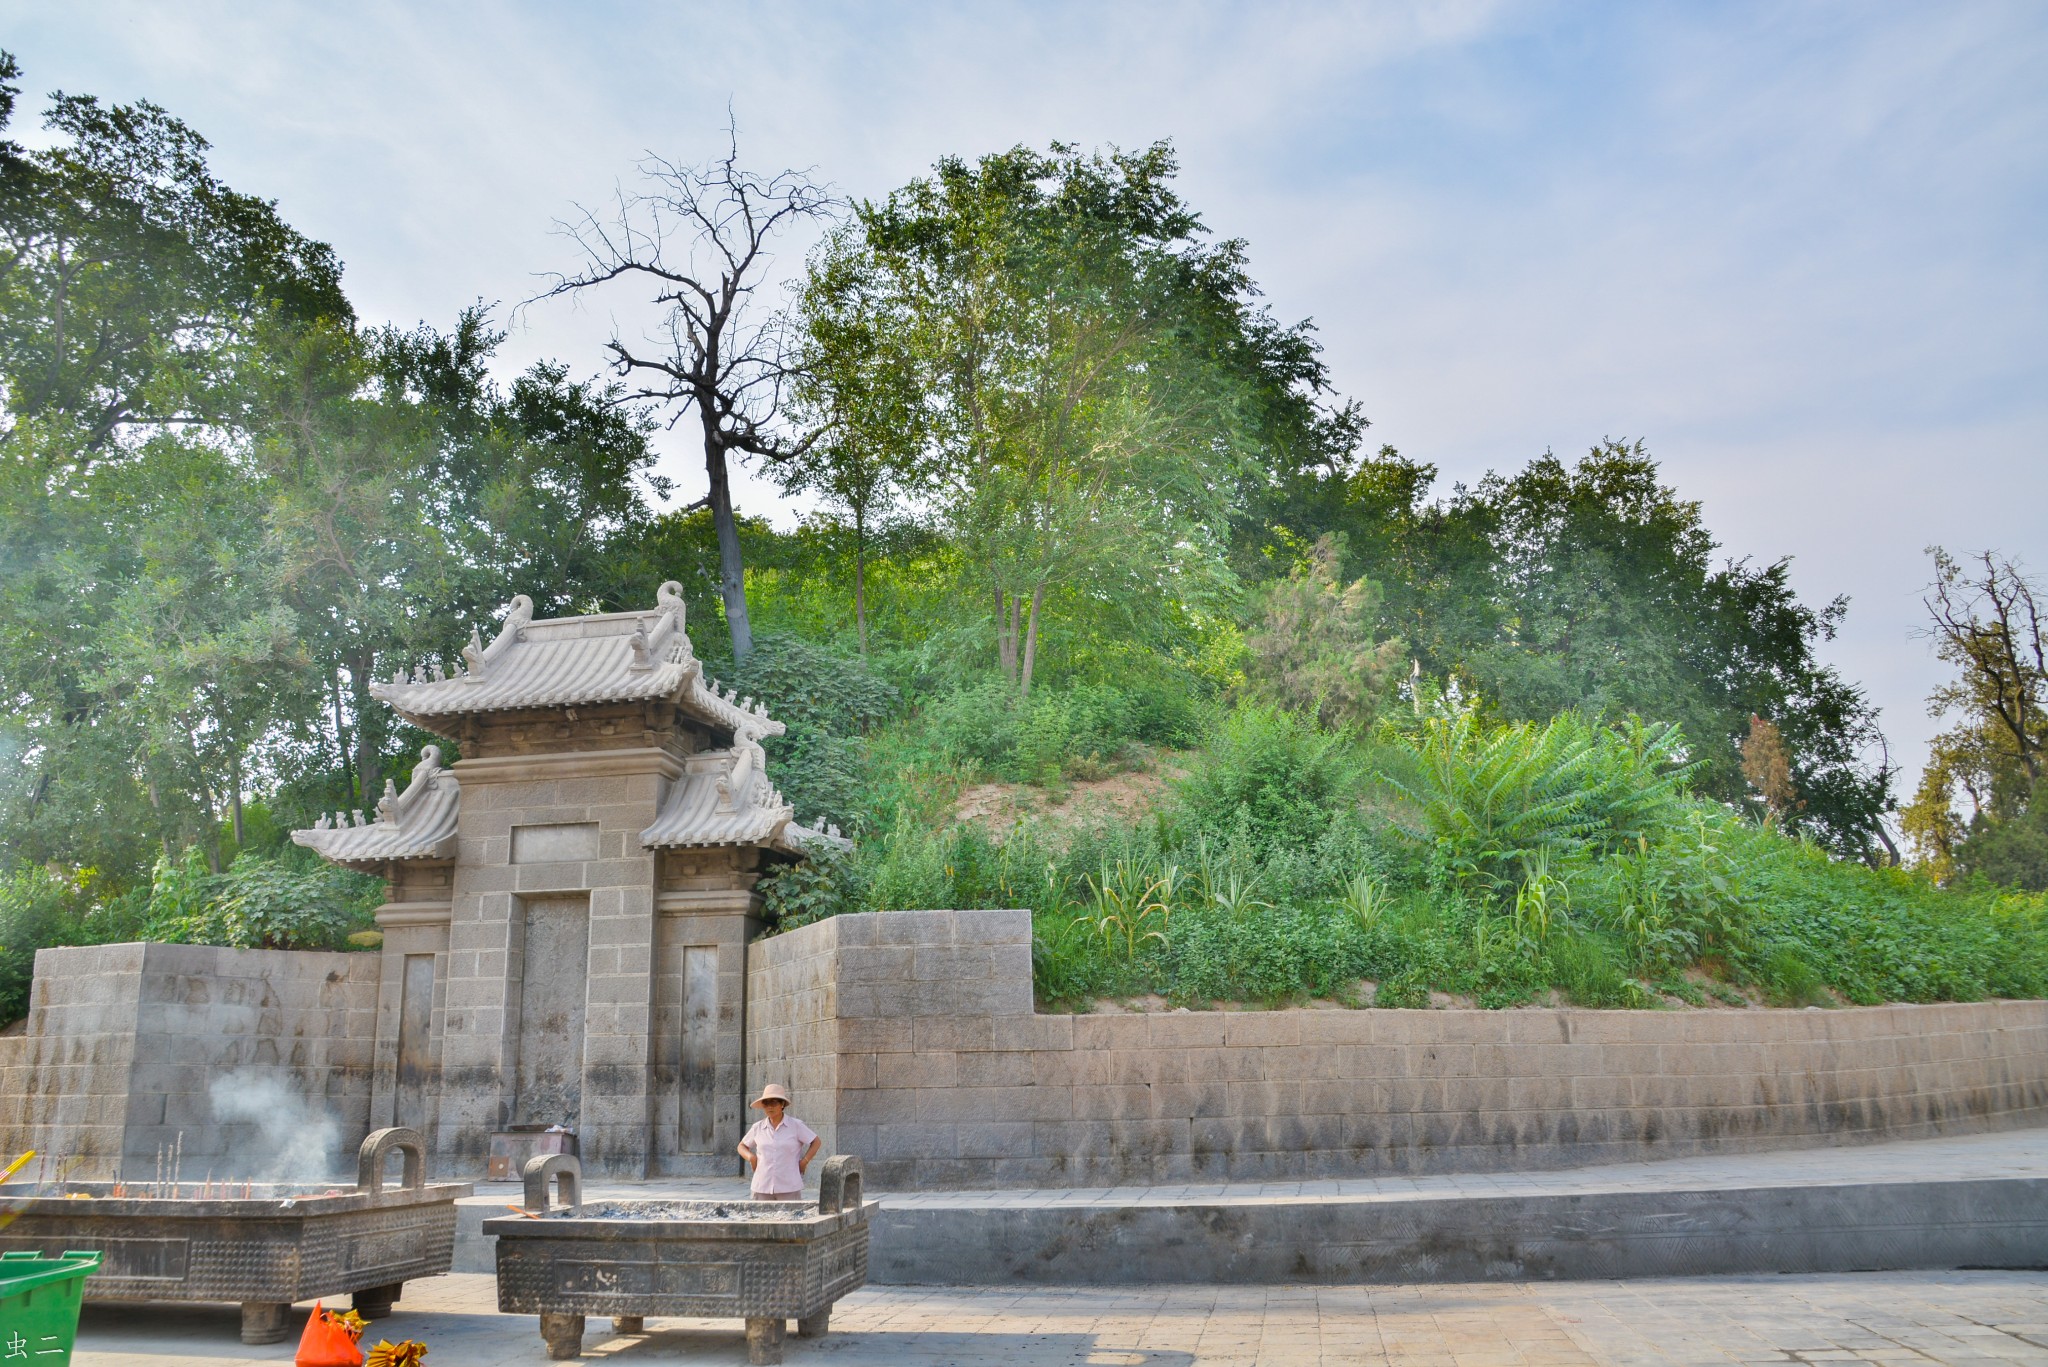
(922,1023)
(124,1042)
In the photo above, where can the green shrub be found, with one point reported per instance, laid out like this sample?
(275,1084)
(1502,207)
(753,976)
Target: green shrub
(1269,781)
(259,903)
(1525,859)
(1587,970)
(1789,978)
(804,685)
(37,910)
(823,884)
(1035,740)
(1489,798)
(827,704)
(1263,957)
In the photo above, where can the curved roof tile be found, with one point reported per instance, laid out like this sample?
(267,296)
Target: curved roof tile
(418,824)
(725,798)
(577,661)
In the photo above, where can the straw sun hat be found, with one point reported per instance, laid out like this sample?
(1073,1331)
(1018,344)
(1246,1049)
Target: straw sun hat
(774,1091)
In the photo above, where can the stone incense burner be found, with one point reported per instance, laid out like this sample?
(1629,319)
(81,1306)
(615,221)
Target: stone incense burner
(276,1244)
(766,1262)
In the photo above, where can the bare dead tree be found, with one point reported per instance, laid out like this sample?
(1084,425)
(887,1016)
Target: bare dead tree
(699,236)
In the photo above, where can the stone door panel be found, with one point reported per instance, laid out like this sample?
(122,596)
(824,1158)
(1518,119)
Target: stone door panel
(699,1080)
(552,994)
(415,1041)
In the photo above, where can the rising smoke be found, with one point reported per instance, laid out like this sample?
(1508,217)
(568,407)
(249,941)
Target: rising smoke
(274,1133)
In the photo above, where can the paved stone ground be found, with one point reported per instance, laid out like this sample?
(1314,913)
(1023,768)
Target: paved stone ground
(1889,1318)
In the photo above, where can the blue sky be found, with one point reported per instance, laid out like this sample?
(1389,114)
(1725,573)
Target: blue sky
(1797,249)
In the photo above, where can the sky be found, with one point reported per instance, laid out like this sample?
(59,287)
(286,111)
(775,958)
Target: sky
(1797,249)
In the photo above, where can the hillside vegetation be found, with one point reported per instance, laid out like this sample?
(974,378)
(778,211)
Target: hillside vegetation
(1082,511)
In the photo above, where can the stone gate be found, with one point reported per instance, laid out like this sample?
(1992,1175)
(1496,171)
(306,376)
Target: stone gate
(568,905)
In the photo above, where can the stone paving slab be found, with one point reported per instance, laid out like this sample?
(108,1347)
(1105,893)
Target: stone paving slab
(1877,1318)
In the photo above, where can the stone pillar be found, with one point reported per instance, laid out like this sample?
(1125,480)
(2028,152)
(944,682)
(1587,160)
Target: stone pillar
(412,995)
(708,912)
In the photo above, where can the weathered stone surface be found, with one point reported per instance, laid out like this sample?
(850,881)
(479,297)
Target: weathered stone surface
(924,1070)
(124,1043)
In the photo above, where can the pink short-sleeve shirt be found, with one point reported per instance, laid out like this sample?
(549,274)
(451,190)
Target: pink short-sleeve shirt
(776,1151)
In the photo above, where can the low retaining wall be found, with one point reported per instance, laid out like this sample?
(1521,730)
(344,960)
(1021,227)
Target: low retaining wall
(909,1039)
(124,1043)
(1732,1231)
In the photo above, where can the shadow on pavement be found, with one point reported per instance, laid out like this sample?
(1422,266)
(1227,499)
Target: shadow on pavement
(172,1335)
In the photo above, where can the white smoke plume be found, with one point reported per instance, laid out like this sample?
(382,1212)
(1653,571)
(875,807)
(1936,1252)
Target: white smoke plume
(275,1134)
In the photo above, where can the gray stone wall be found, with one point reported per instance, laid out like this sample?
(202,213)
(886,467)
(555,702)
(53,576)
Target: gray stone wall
(793,1028)
(942,1075)
(69,1097)
(125,1043)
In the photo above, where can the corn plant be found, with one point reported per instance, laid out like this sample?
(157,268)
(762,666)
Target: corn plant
(1125,906)
(1543,902)
(1229,890)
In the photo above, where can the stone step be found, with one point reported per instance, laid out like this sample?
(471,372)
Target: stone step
(1978,1201)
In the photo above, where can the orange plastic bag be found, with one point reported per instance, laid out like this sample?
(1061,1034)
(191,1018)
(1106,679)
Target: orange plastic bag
(330,1340)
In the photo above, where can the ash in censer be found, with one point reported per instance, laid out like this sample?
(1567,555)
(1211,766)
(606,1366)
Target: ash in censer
(689,1210)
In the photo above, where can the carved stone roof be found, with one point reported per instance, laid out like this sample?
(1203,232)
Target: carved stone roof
(417,824)
(724,798)
(573,662)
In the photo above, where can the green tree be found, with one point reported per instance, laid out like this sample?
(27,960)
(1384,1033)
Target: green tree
(857,391)
(1986,624)
(1314,643)
(1595,588)
(1088,366)
(131,285)
(127,272)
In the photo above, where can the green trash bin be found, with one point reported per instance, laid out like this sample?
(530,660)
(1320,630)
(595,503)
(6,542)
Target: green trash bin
(39,1299)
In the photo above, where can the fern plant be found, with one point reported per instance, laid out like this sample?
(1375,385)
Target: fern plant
(1493,797)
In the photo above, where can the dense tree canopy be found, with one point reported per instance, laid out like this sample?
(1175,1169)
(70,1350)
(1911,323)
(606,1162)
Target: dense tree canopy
(225,508)
(1594,587)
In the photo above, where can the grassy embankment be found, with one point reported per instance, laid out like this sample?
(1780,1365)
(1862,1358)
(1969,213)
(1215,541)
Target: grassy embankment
(1430,861)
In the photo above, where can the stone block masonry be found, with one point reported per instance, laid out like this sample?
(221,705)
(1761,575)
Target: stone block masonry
(909,1039)
(125,1042)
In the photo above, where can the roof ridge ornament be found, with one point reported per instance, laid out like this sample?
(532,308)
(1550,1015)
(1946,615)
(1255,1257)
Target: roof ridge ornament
(518,613)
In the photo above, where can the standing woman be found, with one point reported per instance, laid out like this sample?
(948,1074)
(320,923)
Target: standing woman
(778,1148)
